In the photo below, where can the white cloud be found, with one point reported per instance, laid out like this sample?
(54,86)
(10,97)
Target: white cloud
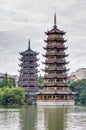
(24,19)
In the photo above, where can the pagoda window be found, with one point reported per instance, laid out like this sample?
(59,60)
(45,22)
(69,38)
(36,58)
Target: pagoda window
(26,55)
(31,66)
(25,73)
(51,80)
(25,86)
(44,97)
(25,66)
(25,79)
(55,36)
(61,97)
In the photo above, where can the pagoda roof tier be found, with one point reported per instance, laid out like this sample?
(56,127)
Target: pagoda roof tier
(55,30)
(28,84)
(29,63)
(59,91)
(57,84)
(26,65)
(28,52)
(29,57)
(31,89)
(28,75)
(28,71)
(27,81)
(28,78)
(55,62)
(55,47)
(30,60)
(55,40)
(57,76)
(55,69)
(57,55)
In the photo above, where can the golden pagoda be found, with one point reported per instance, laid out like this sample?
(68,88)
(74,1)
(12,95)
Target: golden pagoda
(56,91)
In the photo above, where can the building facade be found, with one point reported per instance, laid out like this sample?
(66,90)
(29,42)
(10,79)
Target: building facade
(14,77)
(79,74)
(56,91)
(28,72)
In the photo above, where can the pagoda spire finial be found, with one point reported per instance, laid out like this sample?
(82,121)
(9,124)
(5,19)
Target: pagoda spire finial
(55,20)
(29,43)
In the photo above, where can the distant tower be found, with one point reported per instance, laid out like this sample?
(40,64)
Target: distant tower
(56,91)
(28,72)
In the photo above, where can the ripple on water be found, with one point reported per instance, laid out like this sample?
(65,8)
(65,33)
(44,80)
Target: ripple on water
(76,120)
(9,119)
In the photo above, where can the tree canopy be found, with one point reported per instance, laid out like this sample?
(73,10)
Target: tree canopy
(79,87)
(10,96)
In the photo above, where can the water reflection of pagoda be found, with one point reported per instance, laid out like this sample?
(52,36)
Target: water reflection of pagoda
(56,91)
(28,72)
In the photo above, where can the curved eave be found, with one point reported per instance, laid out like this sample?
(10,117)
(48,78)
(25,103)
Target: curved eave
(55,47)
(65,93)
(56,85)
(55,62)
(28,71)
(55,39)
(34,65)
(37,53)
(55,77)
(55,31)
(47,92)
(24,60)
(62,70)
(62,55)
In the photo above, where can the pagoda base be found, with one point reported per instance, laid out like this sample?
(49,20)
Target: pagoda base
(55,103)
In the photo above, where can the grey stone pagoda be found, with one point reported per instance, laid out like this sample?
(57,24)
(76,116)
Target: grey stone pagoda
(28,72)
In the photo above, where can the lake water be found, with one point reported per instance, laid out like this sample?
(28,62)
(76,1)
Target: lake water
(43,118)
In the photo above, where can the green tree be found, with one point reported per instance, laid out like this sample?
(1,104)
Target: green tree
(14,82)
(40,82)
(5,80)
(10,83)
(79,87)
(10,96)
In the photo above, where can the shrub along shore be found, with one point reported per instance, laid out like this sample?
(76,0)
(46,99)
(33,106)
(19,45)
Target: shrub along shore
(12,96)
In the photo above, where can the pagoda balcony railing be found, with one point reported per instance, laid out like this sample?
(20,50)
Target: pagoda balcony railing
(55,45)
(55,75)
(23,83)
(56,83)
(28,64)
(29,71)
(30,75)
(26,57)
(32,69)
(28,78)
(30,89)
(55,39)
(55,60)
(28,60)
(55,52)
(55,67)
(27,81)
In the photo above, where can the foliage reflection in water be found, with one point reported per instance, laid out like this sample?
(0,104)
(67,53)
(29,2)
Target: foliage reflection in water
(43,118)
(10,119)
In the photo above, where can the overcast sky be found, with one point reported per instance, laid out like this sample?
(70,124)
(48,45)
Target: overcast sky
(24,19)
